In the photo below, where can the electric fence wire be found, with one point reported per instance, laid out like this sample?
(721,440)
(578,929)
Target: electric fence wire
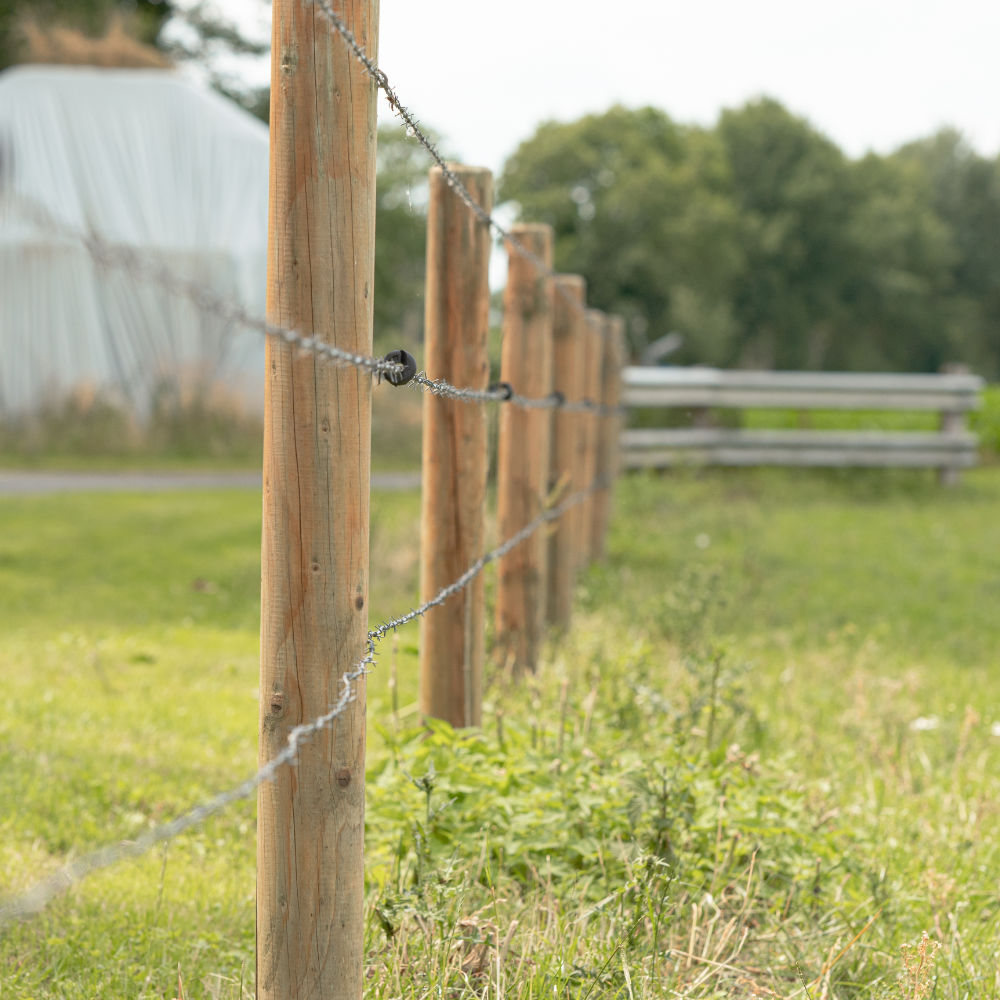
(38,896)
(146,267)
(210,303)
(414,130)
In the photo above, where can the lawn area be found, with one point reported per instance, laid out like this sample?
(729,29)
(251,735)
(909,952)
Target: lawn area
(765,761)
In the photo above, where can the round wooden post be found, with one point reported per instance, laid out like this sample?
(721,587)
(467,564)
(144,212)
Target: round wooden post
(452,642)
(593,356)
(564,475)
(609,429)
(314,553)
(523,449)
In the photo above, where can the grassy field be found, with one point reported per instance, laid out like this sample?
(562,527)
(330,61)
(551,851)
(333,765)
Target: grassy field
(764,762)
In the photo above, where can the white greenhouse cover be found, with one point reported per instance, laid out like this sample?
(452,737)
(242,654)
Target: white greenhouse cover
(145,160)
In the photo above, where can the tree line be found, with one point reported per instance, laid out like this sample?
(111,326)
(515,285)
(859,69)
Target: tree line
(764,245)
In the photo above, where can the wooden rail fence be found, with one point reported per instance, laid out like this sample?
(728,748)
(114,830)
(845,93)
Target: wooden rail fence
(701,390)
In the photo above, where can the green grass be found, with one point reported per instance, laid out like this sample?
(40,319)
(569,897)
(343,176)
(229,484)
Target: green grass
(762,762)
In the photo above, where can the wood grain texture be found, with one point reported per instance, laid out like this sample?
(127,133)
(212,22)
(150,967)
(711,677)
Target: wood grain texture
(564,471)
(455,456)
(589,424)
(523,449)
(314,553)
(608,431)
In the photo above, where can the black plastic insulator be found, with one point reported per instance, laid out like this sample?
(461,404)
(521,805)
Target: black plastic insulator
(409,363)
(558,399)
(505,388)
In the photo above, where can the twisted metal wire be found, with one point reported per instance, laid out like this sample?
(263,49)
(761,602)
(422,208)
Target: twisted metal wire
(504,393)
(36,898)
(146,267)
(209,302)
(451,178)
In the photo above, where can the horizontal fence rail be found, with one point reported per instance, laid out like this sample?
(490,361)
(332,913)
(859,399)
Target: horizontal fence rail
(704,390)
(715,387)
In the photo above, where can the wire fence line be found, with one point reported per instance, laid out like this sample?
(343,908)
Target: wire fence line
(147,267)
(38,896)
(414,130)
(503,392)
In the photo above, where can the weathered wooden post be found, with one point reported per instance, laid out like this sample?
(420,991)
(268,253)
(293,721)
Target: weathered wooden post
(609,430)
(564,474)
(523,448)
(593,356)
(452,642)
(314,553)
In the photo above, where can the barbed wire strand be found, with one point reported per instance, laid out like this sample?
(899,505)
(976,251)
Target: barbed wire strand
(414,130)
(35,899)
(209,302)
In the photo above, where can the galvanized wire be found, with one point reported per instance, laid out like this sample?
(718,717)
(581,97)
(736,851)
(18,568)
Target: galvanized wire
(145,266)
(204,298)
(35,899)
(504,393)
(414,130)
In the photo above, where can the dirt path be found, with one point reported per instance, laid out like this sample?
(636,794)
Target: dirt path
(21,483)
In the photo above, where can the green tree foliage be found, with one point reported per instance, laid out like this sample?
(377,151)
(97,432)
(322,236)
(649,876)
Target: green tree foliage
(183,33)
(966,197)
(765,245)
(640,207)
(145,20)
(791,187)
(897,308)
(400,239)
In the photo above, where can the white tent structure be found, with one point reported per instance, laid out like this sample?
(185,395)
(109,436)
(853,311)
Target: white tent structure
(147,161)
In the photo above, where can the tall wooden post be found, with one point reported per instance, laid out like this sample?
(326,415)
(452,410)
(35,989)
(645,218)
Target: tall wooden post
(523,449)
(564,474)
(593,357)
(314,553)
(452,642)
(609,429)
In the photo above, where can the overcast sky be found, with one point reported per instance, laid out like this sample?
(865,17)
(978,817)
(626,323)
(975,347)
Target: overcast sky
(871,74)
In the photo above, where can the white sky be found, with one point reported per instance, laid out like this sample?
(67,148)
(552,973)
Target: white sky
(871,74)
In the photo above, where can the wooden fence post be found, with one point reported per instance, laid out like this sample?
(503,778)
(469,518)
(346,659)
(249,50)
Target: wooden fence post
(523,448)
(452,641)
(314,552)
(564,474)
(609,429)
(593,356)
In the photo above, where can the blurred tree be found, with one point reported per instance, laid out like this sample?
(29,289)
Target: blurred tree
(965,192)
(641,208)
(43,31)
(143,20)
(793,190)
(766,246)
(400,239)
(898,306)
